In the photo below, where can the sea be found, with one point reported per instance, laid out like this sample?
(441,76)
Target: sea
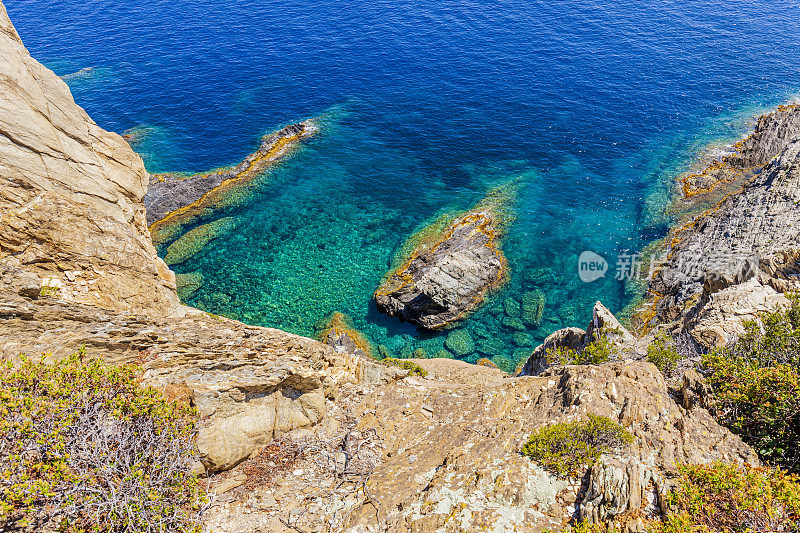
(589,109)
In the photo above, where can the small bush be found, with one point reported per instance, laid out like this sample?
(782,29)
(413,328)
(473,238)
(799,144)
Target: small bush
(596,353)
(663,354)
(413,368)
(563,448)
(721,498)
(84,448)
(756,385)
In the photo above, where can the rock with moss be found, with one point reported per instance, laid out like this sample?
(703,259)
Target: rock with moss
(532,308)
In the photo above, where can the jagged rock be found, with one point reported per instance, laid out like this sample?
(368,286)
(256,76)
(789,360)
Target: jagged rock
(772,134)
(59,170)
(443,281)
(694,390)
(720,321)
(727,245)
(618,486)
(569,338)
(603,325)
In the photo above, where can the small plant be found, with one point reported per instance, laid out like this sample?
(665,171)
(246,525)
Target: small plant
(83,447)
(413,368)
(563,448)
(663,354)
(599,351)
(722,498)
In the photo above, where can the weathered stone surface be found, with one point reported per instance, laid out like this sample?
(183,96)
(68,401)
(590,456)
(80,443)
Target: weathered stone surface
(70,193)
(604,325)
(727,245)
(720,321)
(442,282)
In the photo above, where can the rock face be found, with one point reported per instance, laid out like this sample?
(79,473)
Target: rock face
(444,455)
(604,325)
(750,235)
(70,194)
(371,448)
(442,282)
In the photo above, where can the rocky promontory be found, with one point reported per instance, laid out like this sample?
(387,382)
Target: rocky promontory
(448,273)
(295,435)
(175,202)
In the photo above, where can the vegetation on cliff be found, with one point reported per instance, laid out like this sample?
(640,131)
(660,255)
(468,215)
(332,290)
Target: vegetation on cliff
(722,498)
(83,447)
(757,386)
(564,447)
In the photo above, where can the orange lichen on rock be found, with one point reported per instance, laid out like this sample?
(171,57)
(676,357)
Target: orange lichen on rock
(176,201)
(449,268)
(339,332)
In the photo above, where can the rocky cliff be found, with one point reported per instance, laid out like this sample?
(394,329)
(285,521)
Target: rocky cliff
(308,437)
(71,196)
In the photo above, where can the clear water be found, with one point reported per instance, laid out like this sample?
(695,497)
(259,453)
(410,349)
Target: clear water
(425,106)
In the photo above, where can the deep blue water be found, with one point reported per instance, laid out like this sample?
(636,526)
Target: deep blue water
(425,106)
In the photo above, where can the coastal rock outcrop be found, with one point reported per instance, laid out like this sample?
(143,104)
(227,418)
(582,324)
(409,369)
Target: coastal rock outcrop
(603,326)
(176,202)
(750,235)
(71,194)
(443,280)
(773,132)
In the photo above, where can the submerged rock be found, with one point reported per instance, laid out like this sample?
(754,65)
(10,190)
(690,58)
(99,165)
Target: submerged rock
(192,242)
(340,334)
(460,343)
(442,281)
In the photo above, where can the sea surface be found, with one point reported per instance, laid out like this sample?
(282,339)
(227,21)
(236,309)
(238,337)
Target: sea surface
(591,108)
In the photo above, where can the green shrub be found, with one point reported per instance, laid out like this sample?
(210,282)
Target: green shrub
(83,447)
(663,354)
(721,498)
(756,385)
(562,448)
(598,352)
(413,368)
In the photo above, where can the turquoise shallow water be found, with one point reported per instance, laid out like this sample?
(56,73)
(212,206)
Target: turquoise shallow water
(594,107)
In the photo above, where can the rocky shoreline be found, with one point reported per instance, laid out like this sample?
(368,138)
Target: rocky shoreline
(298,435)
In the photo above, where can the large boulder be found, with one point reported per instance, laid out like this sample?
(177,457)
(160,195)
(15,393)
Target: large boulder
(446,277)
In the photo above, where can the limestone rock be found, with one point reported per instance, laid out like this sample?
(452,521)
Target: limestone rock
(569,338)
(70,193)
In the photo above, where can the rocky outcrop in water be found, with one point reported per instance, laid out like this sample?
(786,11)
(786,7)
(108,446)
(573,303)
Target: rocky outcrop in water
(443,280)
(168,192)
(773,132)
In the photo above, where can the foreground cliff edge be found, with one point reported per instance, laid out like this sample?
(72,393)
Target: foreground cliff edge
(310,438)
